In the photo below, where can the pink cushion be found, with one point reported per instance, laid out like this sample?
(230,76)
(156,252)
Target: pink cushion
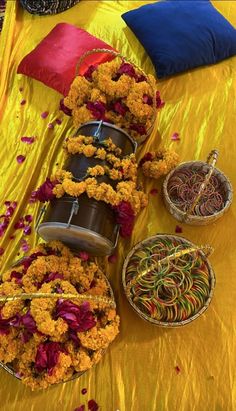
(53,61)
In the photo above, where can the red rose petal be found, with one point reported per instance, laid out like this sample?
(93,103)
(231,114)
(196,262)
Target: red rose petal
(1,251)
(28,218)
(11,237)
(23,102)
(80,408)
(177,369)
(25,246)
(84,255)
(27,230)
(28,140)
(19,224)
(7,203)
(44,114)
(159,102)
(65,109)
(9,212)
(14,204)
(92,405)
(50,125)
(153,192)
(58,121)
(175,137)
(112,258)
(178,229)
(20,159)
(84,391)
(21,89)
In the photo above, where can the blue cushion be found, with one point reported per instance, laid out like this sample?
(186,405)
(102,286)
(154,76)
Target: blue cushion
(180,35)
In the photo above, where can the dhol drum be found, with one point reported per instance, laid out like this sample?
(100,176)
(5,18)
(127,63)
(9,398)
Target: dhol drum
(84,223)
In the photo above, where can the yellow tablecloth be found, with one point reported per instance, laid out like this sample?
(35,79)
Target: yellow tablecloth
(138,371)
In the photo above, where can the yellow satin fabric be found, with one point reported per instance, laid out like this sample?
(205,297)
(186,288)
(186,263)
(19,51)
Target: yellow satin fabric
(138,371)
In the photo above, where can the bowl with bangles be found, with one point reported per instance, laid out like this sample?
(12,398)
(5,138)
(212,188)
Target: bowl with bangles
(167,280)
(57,316)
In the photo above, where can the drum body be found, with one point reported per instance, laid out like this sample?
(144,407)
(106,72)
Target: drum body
(84,223)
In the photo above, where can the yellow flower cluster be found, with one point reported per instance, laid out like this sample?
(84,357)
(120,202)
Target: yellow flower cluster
(124,170)
(163,162)
(70,274)
(108,87)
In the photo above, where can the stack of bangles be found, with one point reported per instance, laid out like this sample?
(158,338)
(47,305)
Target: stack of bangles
(183,188)
(176,289)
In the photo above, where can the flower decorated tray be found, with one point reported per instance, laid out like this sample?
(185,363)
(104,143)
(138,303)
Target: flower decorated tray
(57,316)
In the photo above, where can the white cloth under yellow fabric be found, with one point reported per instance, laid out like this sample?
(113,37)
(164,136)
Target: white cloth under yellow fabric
(138,371)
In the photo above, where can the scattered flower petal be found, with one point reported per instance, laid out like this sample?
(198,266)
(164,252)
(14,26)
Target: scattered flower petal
(19,224)
(25,246)
(84,255)
(58,121)
(80,408)
(20,159)
(50,125)
(175,137)
(11,237)
(9,212)
(23,102)
(84,391)
(159,102)
(21,89)
(178,229)
(1,251)
(112,258)
(28,218)
(177,369)
(14,204)
(153,191)
(65,109)
(92,405)
(7,203)
(44,192)
(125,217)
(27,230)
(28,140)
(44,114)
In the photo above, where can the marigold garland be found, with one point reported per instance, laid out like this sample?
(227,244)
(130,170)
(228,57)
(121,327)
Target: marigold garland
(41,337)
(159,163)
(115,92)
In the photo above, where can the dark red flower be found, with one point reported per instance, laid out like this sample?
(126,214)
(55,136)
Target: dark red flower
(84,391)
(47,356)
(84,255)
(80,408)
(92,405)
(78,318)
(89,72)
(20,159)
(44,192)
(28,140)
(125,218)
(139,128)
(178,229)
(159,102)
(97,109)
(147,99)
(147,157)
(65,109)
